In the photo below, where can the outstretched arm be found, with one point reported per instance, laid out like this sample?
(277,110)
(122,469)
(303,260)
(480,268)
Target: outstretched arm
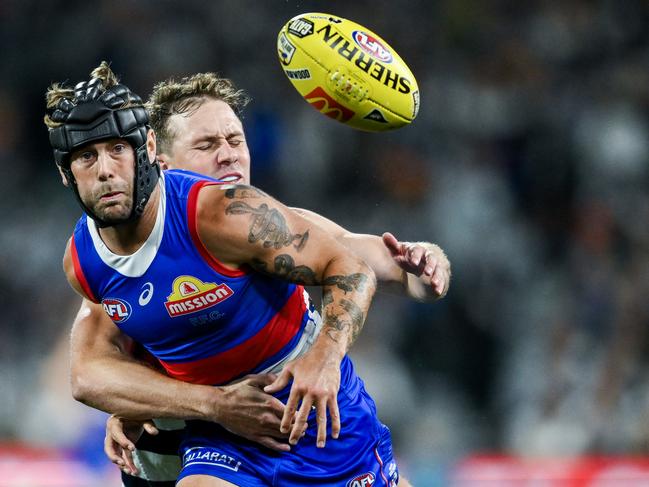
(242,225)
(421,270)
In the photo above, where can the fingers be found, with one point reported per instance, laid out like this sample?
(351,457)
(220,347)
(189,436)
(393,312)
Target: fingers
(119,447)
(301,420)
(279,383)
(334,414)
(113,451)
(415,254)
(321,419)
(289,413)
(259,380)
(391,243)
(439,281)
(117,435)
(291,404)
(440,275)
(120,456)
(150,427)
(129,465)
(429,264)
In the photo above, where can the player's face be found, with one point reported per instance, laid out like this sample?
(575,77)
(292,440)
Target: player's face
(104,174)
(209,141)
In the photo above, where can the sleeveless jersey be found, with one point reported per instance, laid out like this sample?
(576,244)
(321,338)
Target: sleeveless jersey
(205,323)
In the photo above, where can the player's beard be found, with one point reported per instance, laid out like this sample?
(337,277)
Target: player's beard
(114,211)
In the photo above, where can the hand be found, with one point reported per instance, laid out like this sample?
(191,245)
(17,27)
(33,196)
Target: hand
(121,436)
(251,413)
(426,261)
(316,380)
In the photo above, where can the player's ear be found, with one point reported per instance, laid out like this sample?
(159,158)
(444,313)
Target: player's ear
(64,179)
(151,144)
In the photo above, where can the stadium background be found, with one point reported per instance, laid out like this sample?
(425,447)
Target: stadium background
(527,164)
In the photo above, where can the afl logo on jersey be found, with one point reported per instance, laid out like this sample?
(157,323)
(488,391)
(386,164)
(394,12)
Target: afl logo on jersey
(365,480)
(191,294)
(117,309)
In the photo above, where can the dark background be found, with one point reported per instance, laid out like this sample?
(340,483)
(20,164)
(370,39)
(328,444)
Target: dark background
(527,164)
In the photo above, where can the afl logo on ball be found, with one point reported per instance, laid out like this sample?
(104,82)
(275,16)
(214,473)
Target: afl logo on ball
(372,46)
(117,309)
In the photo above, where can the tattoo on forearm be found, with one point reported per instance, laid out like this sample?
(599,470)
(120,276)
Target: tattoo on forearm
(285,268)
(243,192)
(352,282)
(327,297)
(335,325)
(269,226)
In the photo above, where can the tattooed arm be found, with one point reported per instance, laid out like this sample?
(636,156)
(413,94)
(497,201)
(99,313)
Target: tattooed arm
(420,270)
(240,225)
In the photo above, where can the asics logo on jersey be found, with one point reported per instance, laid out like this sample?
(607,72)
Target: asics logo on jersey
(191,294)
(146,295)
(117,309)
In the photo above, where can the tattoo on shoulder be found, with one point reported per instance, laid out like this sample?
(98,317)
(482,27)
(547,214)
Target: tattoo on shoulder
(269,226)
(352,282)
(243,192)
(285,268)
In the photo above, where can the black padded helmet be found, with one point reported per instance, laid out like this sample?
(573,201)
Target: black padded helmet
(94,115)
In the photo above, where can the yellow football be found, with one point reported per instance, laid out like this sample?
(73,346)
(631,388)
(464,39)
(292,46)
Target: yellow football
(347,72)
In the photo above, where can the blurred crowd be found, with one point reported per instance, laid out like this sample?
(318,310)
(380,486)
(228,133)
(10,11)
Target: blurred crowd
(528,164)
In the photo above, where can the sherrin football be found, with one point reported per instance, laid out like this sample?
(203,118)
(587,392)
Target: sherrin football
(347,72)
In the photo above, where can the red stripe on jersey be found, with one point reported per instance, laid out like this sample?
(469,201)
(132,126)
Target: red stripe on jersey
(268,341)
(192,200)
(78,272)
(378,458)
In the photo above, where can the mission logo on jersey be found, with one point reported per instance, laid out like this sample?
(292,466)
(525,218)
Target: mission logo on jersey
(191,294)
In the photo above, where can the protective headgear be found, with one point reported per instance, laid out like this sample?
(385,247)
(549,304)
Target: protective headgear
(93,116)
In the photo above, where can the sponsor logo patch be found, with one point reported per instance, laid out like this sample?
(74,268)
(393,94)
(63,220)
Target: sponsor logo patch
(415,99)
(146,295)
(321,101)
(301,27)
(190,294)
(210,456)
(393,474)
(298,73)
(372,46)
(365,480)
(285,49)
(117,309)
(376,116)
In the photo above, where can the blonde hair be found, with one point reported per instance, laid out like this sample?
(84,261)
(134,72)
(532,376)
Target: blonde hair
(186,95)
(58,92)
